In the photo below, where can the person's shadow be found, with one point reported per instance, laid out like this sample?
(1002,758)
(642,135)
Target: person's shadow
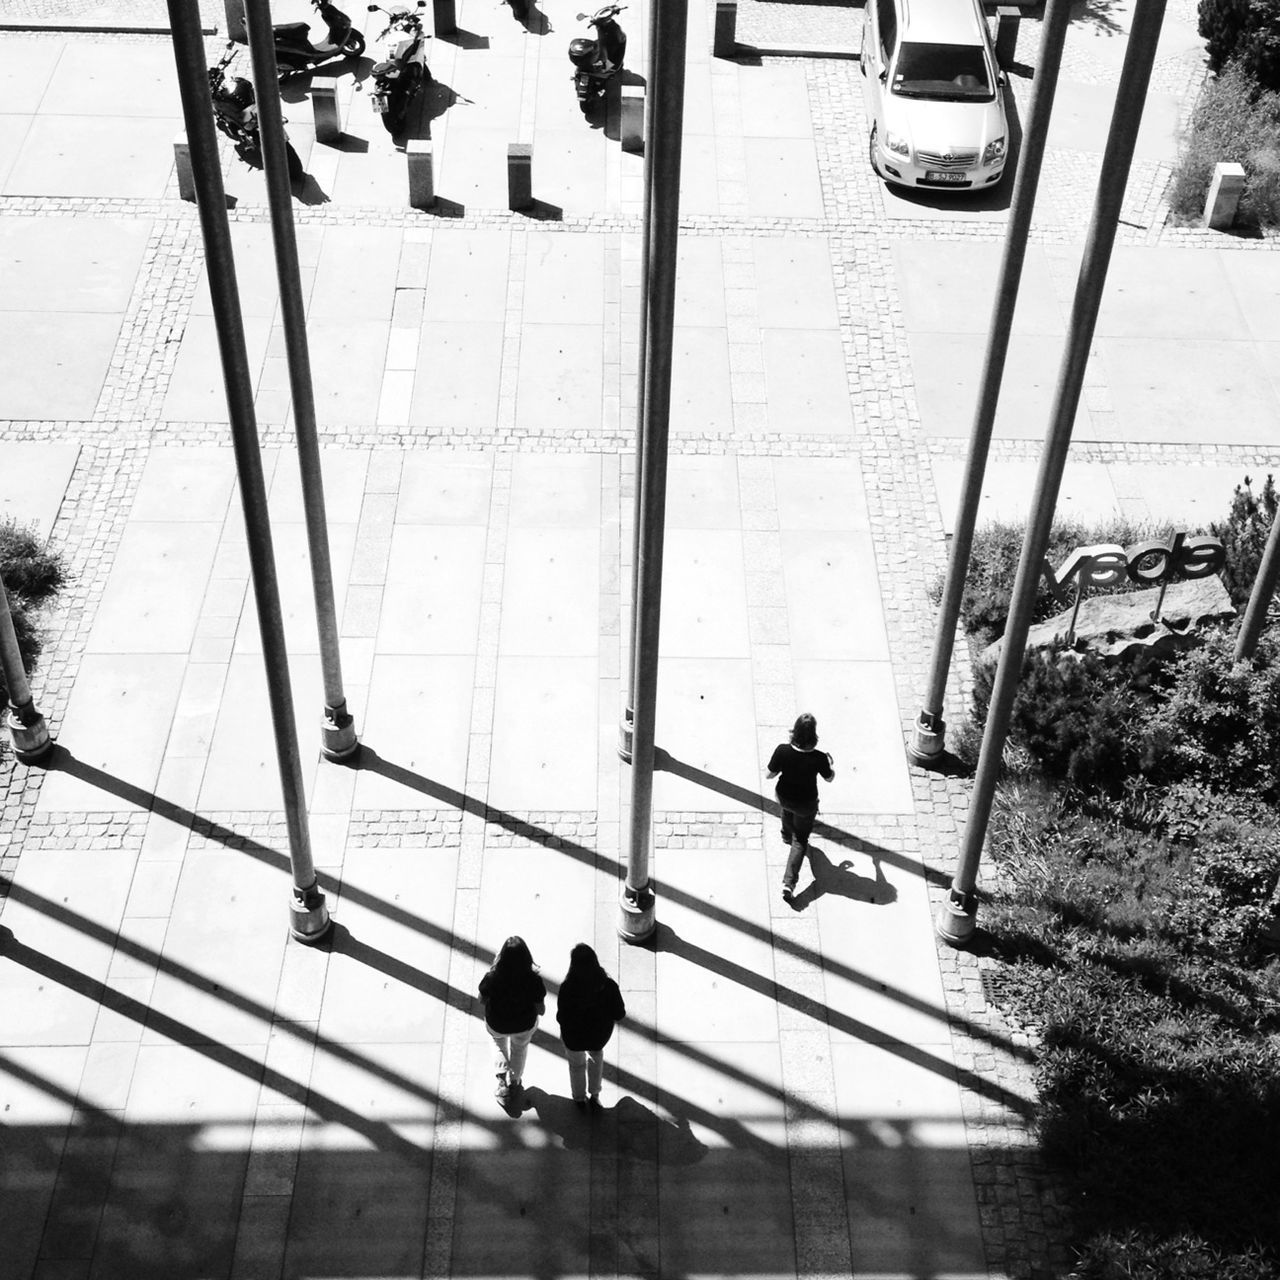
(631,1129)
(841,882)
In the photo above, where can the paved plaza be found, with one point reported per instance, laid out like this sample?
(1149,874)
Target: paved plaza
(808,1090)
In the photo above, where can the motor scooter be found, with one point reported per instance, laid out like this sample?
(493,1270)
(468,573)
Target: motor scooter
(235,113)
(599,60)
(295,52)
(399,79)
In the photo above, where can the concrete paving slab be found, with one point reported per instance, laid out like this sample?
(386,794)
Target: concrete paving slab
(431,601)
(1082,118)
(256,285)
(69,264)
(699,187)
(242,771)
(30,64)
(89,76)
(833,595)
(474,175)
(706,723)
(544,734)
(116,722)
(793,282)
(704,594)
(36,475)
(342,472)
(782,178)
(13,136)
(947,368)
(456,383)
(701,391)
(1086,493)
(1180,390)
(775,100)
(416,721)
(561,377)
(190,483)
(570,167)
(196,390)
(805,378)
(444,487)
(347,359)
(468,279)
(52,364)
(355,276)
(1189,496)
(721,1096)
(905,1162)
(154,593)
(949,287)
(555,490)
(700,282)
(95,155)
(563,279)
(551,594)
(1254,279)
(702,492)
(820,494)
(1169,293)
(858,713)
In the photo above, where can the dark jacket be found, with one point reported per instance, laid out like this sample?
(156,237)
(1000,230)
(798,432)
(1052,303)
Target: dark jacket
(587,1014)
(512,1006)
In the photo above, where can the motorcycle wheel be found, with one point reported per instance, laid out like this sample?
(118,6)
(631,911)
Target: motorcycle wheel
(354,46)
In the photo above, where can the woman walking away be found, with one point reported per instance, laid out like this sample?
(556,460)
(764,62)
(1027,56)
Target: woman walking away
(589,1005)
(514,997)
(797,765)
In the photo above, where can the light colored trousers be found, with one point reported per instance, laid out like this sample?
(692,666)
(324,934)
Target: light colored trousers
(513,1049)
(586,1070)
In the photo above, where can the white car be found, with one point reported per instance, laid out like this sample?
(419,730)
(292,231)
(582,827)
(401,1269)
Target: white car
(937,96)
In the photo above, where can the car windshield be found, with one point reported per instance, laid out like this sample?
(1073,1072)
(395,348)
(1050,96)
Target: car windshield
(944,72)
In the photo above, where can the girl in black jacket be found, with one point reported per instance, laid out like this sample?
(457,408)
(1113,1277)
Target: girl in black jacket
(514,997)
(589,1005)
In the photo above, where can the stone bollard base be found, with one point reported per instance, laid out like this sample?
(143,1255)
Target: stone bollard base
(422,189)
(519,175)
(724,41)
(631,126)
(1223,200)
(182,164)
(1008,21)
(324,110)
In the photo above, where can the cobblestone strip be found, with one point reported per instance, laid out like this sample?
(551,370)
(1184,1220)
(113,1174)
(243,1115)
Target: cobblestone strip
(153,325)
(746,344)
(730,147)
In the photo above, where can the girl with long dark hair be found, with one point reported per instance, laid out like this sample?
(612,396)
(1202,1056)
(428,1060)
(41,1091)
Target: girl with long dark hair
(589,1006)
(514,997)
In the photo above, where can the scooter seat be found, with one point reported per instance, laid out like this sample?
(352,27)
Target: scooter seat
(293,31)
(386,69)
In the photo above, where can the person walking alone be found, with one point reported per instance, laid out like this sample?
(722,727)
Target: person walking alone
(514,998)
(798,765)
(589,1006)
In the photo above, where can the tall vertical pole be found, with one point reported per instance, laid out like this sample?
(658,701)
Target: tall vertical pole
(308,916)
(651,147)
(337,731)
(637,918)
(957,918)
(31,741)
(929,739)
(1260,596)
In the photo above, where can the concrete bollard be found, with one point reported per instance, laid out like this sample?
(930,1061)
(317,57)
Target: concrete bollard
(182,163)
(324,107)
(1224,196)
(631,129)
(1008,19)
(445,15)
(724,43)
(422,184)
(519,175)
(236,30)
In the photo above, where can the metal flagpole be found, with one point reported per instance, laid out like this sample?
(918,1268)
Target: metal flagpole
(308,916)
(338,733)
(957,919)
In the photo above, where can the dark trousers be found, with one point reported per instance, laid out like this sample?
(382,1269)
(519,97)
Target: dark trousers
(797,826)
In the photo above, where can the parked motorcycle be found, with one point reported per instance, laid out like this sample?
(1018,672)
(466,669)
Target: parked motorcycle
(295,52)
(399,79)
(599,60)
(235,113)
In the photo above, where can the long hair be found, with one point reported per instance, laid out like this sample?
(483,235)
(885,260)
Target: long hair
(804,734)
(513,960)
(585,974)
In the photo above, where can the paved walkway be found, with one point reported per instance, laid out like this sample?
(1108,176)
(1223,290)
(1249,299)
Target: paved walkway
(811,1092)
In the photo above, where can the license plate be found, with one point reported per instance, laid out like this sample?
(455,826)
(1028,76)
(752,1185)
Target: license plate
(379,106)
(935,175)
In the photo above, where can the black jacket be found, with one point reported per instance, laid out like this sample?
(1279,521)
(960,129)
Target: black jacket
(586,1016)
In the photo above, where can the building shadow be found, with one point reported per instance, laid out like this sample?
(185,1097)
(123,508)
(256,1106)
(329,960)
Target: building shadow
(629,1130)
(840,881)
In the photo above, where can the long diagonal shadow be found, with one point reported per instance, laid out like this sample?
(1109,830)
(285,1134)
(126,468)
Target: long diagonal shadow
(369,759)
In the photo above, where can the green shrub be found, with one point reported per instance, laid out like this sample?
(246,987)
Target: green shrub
(1247,31)
(33,573)
(1244,536)
(1233,121)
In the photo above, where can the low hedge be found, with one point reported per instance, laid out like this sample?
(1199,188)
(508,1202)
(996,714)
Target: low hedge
(33,574)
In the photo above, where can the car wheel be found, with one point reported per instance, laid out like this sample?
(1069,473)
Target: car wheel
(871,151)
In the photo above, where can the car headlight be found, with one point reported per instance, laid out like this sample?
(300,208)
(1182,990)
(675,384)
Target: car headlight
(896,143)
(994,151)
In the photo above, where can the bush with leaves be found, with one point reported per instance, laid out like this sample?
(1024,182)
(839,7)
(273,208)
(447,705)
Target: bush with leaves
(1236,121)
(1244,536)
(1244,31)
(33,573)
